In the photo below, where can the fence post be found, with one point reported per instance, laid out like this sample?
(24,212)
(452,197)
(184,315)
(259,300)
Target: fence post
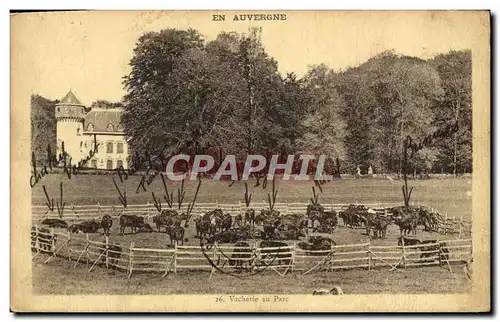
(332,263)
(175,257)
(87,245)
(460,227)
(369,255)
(130,258)
(147,207)
(37,248)
(107,249)
(403,251)
(293,256)
(69,245)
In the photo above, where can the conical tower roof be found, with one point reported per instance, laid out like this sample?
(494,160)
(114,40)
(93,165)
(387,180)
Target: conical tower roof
(70,99)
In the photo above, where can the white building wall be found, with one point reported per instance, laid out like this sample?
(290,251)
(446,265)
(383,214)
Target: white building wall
(69,132)
(107,155)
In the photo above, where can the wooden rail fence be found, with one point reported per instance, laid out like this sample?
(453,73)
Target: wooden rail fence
(445,225)
(281,260)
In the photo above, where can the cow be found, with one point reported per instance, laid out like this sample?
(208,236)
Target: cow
(290,234)
(169,213)
(226,222)
(250,217)
(279,253)
(160,220)
(55,223)
(317,243)
(354,215)
(106,223)
(176,234)
(85,227)
(132,221)
(241,253)
(379,225)
(228,236)
(408,241)
(407,224)
(336,290)
(428,247)
(238,220)
(145,228)
(202,226)
(270,228)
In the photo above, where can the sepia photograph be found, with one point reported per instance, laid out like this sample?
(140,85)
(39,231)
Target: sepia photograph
(250,161)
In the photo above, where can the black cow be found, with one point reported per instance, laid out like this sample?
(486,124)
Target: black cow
(317,243)
(176,234)
(132,221)
(145,228)
(202,226)
(407,224)
(408,241)
(226,222)
(379,226)
(241,253)
(106,223)
(270,228)
(250,217)
(55,223)
(160,220)
(91,226)
(228,236)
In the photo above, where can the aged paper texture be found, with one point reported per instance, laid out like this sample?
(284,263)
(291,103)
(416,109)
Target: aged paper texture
(250,161)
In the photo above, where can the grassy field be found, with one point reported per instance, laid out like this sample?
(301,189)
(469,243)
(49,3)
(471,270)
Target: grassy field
(450,196)
(59,277)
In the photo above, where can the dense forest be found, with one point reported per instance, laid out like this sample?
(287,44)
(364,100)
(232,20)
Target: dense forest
(226,96)
(43,127)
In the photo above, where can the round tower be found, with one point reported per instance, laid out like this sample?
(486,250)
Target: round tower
(70,115)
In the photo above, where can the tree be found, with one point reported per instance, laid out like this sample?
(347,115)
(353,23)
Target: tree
(455,70)
(151,110)
(43,127)
(388,98)
(106,104)
(323,126)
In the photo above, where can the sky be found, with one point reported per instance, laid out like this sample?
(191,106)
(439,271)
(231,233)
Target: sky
(89,52)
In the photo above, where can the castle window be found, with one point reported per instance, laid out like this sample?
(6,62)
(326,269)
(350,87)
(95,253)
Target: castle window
(59,109)
(120,128)
(111,128)
(85,144)
(90,128)
(109,164)
(119,163)
(81,144)
(94,164)
(78,131)
(119,147)
(109,147)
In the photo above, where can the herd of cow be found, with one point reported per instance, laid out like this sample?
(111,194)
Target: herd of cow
(269,227)
(221,227)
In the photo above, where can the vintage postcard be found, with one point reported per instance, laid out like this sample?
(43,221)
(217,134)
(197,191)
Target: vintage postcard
(250,161)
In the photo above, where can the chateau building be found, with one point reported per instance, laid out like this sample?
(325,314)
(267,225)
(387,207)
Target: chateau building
(78,127)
